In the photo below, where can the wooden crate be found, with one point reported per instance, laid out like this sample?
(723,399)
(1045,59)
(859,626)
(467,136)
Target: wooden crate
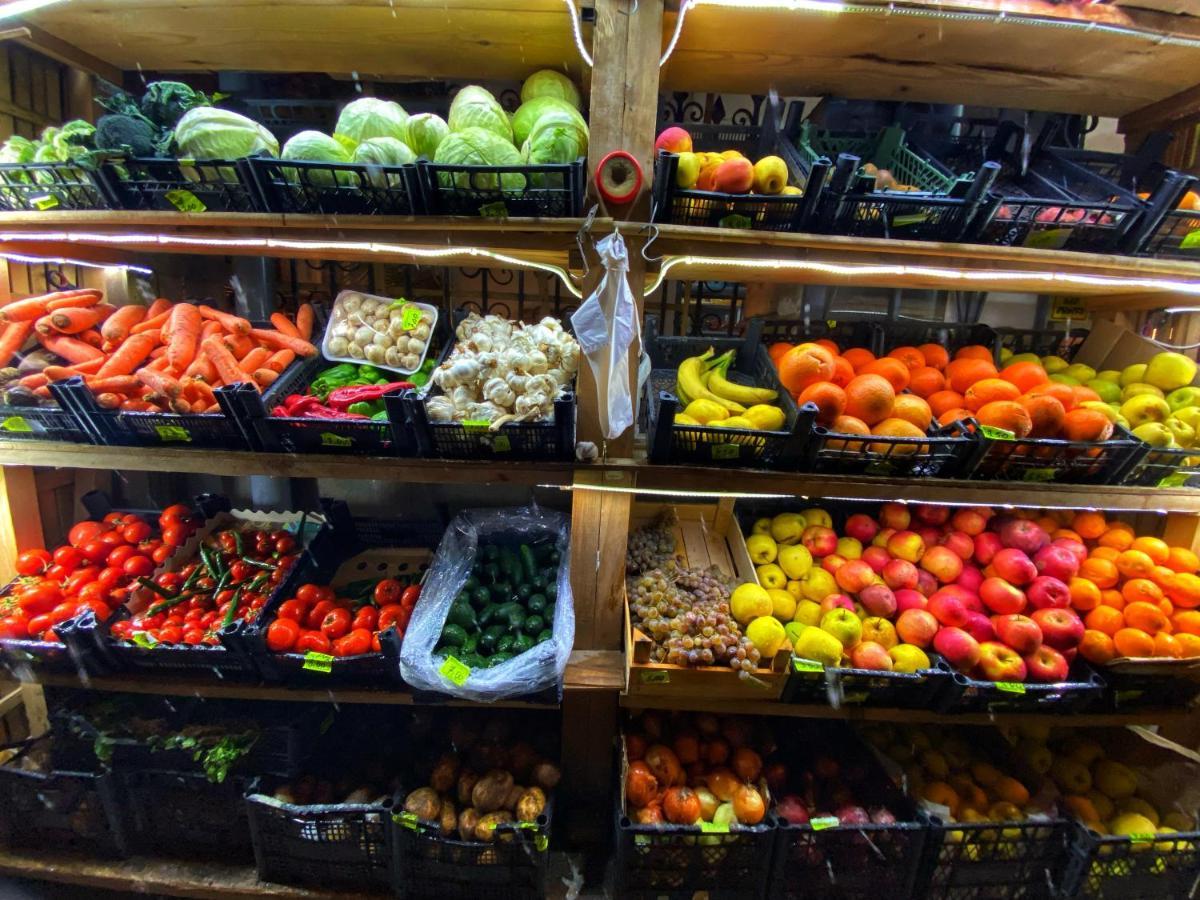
(706,535)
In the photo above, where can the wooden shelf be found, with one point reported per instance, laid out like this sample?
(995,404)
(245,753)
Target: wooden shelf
(1101,60)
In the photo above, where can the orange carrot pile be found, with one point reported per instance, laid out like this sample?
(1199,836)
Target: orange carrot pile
(168,357)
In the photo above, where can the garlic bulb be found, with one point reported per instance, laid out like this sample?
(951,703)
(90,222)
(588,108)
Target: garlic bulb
(439,409)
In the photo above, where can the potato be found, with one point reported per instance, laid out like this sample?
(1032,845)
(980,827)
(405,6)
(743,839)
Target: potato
(424,803)
(531,804)
(362,794)
(486,829)
(285,794)
(514,794)
(521,760)
(546,775)
(467,820)
(466,783)
(449,819)
(444,774)
(491,791)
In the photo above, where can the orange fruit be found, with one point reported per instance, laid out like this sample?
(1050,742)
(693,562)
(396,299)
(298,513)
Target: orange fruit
(1141,590)
(1119,536)
(1186,621)
(1153,547)
(962,373)
(1083,394)
(913,409)
(1066,533)
(1025,375)
(843,372)
(1008,788)
(1191,200)
(1089,524)
(870,398)
(941,401)
(1184,590)
(1146,617)
(1109,553)
(1100,572)
(989,390)
(1046,415)
(898,428)
(1166,645)
(1097,647)
(1060,392)
(941,793)
(1133,642)
(1046,523)
(1189,644)
(1162,576)
(1180,559)
(935,355)
(848,425)
(1086,425)
(828,345)
(1106,619)
(953,415)
(975,351)
(926,381)
(1112,597)
(858,357)
(829,399)
(1134,564)
(1085,595)
(910,356)
(1006,414)
(803,365)
(778,349)
(893,370)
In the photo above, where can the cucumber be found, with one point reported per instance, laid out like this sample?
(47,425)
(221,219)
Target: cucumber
(536,604)
(505,644)
(533,625)
(480,597)
(498,658)
(544,635)
(470,643)
(552,591)
(522,643)
(490,638)
(502,592)
(462,615)
(453,635)
(528,563)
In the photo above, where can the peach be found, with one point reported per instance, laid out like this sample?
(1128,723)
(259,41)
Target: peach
(1062,629)
(734,176)
(906,545)
(836,601)
(878,600)
(932,514)
(894,515)
(969,521)
(960,542)
(948,608)
(862,527)
(987,545)
(819,540)
(970,578)
(917,626)
(674,140)
(979,626)
(1001,597)
(958,647)
(877,558)
(998,662)
(899,573)
(1014,566)
(907,598)
(882,536)
(1057,562)
(870,655)
(1019,632)
(943,563)
(926,583)
(854,575)
(1047,592)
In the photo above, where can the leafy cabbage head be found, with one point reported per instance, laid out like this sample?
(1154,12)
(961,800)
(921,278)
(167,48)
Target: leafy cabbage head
(313,146)
(383,151)
(479,147)
(17,149)
(475,107)
(557,137)
(548,83)
(425,131)
(531,111)
(370,117)
(210,133)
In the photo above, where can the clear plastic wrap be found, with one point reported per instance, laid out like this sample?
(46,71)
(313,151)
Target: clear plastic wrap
(537,669)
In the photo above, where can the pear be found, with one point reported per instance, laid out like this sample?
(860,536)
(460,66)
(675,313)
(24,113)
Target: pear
(1054,364)
(1138,388)
(1112,375)
(1108,390)
(1083,373)
(1170,370)
(795,560)
(1156,434)
(786,528)
(1145,408)
(1132,374)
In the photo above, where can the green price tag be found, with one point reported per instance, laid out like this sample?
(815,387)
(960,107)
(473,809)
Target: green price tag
(657,676)
(186,161)
(541,843)
(173,433)
(328,439)
(726,451)
(476,424)
(832,323)
(1191,239)
(495,210)
(43,203)
(1010,687)
(735,221)
(1038,475)
(410,317)
(185,201)
(16,423)
(806,665)
(997,434)
(1175,479)
(143,640)
(1141,838)
(912,219)
(454,671)
(714,828)
(823,822)
(641,840)
(1048,239)
(1125,696)
(406,820)
(501,443)
(318,662)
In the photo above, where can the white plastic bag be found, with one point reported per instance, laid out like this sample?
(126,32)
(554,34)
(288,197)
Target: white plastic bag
(606,325)
(534,670)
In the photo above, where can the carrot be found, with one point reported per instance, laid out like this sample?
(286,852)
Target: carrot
(239,345)
(12,339)
(130,355)
(215,407)
(91,367)
(106,310)
(229,322)
(43,392)
(223,361)
(280,360)
(71,349)
(254,359)
(304,320)
(74,319)
(159,364)
(92,338)
(58,373)
(117,384)
(74,299)
(284,324)
(137,406)
(160,382)
(264,377)
(34,380)
(109,400)
(279,341)
(183,334)
(150,324)
(158,307)
(158,352)
(116,327)
(202,393)
(201,367)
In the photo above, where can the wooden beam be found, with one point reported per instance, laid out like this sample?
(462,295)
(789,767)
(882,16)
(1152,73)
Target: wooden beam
(58,49)
(1162,115)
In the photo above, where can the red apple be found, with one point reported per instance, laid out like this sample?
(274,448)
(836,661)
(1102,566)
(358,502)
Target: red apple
(931,514)
(861,527)
(1024,535)
(894,515)
(1047,665)
(870,655)
(1001,597)
(970,521)
(1048,593)
(734,176)
(960,542)
(970,578)
(906,545)
(971,601)
(1077,549)
(916,626)
(959,648)
(930,535)
(877,558)
(900,573)
(1019,632)
(832,563)
(1062,629)
(836,601)
(878,600)
(792,809)
(673,140)
(1057,562)
(819,540)
(1014,566)
(882,536)
(948,608)
(943,563)
(979,626)
(987,545)
(854,575)
(926,583)
(998,662)
(907,598)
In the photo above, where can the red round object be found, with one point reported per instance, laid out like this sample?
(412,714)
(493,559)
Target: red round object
(619,177)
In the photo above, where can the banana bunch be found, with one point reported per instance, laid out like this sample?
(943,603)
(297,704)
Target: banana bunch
(710,398)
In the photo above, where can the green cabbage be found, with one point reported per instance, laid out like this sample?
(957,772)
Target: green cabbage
(531,111)
(474,107)
(425,131)
(479,147)
(17,149)
(548,83)
(384,151)
(313,146)
(210,133)
(557,137)
(370,117)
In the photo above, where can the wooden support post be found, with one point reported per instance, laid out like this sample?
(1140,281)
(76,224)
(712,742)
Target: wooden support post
(21,529)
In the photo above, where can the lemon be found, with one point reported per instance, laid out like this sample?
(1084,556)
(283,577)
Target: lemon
(706,411)
(783,604)
(765,417)
(767,635)
(684,419)
(734,422)
(749,601)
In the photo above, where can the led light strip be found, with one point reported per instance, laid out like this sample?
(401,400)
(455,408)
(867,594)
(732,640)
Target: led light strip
(168,241)
(20,7)
(1056,279)
(63,261)
(577,32)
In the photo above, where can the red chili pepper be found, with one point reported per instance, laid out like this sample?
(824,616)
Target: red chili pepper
(343,397)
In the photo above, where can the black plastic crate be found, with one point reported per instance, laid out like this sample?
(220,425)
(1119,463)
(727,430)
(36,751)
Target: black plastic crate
(183,185)
(60,809)
(41,423)
(554,190)
(1004,458)
(964,694)
(669,442)
(1043,342)
(1106,867)
(946,452)
(1149,684)
(33,187)
(994,861)
(343,844)
(1163,467)
(1177,234)
(427,864)
(181,814)
(337,188)
(858,329)
(552,440)
(811,684)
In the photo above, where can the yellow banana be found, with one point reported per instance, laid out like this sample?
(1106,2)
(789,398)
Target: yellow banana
(749,396)
(688,378)
(684,399)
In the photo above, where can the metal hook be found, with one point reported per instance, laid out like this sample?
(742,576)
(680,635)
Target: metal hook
(586,228)
(653,229)
(632,11)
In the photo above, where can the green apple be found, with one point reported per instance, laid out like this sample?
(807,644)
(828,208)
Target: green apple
(1024,357)
(1145,408)
(1170,370)
(1134,373)
(1156,434)
(1006,356)
(1054,364)
(1184,396)
(1080,371)
(1184,434)
(1062,378)
(1109,391)
(843,625)
(1138,388)
(792,629)
(1110,410)
(1112,375)
(1189,415)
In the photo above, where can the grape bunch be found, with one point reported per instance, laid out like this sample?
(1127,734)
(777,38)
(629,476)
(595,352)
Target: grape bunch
(652,546)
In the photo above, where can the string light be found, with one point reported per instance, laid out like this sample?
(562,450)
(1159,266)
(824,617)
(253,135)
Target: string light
(577,32)
(20,7)
(63,261)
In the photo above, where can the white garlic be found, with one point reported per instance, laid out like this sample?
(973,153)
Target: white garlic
(355,350)
(410,361)
(376,354)
(439,409)
(338,345)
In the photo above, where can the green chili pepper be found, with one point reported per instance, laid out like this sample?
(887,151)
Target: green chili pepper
(237,542)
(158,589)
(259,565)
(206,557)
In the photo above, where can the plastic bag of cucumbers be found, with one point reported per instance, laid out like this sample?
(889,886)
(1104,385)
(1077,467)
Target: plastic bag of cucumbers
(495,619)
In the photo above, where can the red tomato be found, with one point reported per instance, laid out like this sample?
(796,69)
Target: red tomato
(308,593)
(315,616)
(40,598)
(193,636)
(136,530)
(292,609)
(112,538)
(102,610)
(160,554)
(81,577)
(95,551)
(356,642)
(170,634)
(336,623)
(51,637)
(388,591)
(367,617)
(93,590)
(376,647)
(69,558)
(39,624)
(285,544)
(14,626)
(174,534)
(113,518)
(238,571)
(388,616)
(411,595)
(122,630)
(137,566)
(313,641)
(117,556)
(64,611)
(282,635)
(82,532)
(170,580)
(33,562)
(175,513)
(57,574)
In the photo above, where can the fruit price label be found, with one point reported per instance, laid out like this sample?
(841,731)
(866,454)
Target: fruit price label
(318,662)
(807,665)
(329,439)
(1039,474)
(822,822)
(454,671)
(173,433)
(733,220)
(143,640)
(725,451)
(1011,687)
(501,443)
(476,425)
(16,423)
(540,841)
(1191,239)
(997,434)
(45,202)
(657,677)
(1140,838)
(495,210)
(410,314)
(1175,479)
(185,201)
(406,820)
(714,828)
